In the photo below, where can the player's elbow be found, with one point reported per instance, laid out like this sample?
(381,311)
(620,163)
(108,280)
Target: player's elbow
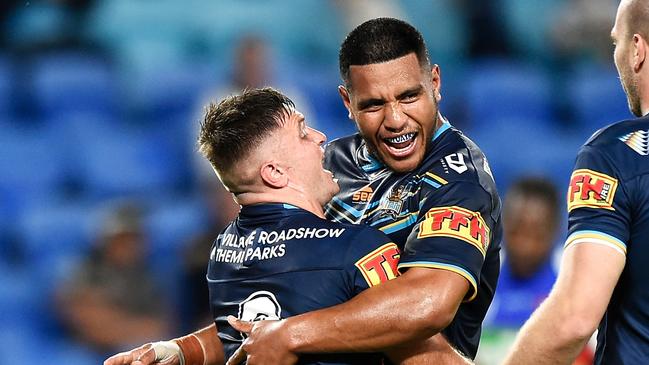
(577,329)
(577,320)
(435,318)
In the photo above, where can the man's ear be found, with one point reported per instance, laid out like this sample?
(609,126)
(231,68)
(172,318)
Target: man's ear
(639,52)
(273,175)
(436,78)
(344,94)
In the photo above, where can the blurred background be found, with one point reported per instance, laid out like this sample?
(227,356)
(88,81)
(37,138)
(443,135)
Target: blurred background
(107,212)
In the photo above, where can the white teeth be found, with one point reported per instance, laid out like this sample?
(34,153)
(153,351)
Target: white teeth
(402,138)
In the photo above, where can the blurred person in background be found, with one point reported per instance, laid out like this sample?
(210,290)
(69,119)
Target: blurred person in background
(254,66)
(107,304)
(531,219)
(221,209)
(580,30)
(602,283)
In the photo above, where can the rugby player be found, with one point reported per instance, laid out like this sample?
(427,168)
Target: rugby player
(280,257)
(603,276)
(412,175)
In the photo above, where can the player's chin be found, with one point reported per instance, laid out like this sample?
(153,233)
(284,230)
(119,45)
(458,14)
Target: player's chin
(405,165)
(334,187)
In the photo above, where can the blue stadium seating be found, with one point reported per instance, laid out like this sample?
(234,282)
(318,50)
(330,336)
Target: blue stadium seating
(6,88)
(72,82)
(31,166)
(56,238)
(114,159)
(24,345)
(596,97)
(37,23)
(443,26)
(173,221)
(19,297)
(166,89)
(58,230)
(527,23)
(503,89)
(517,147)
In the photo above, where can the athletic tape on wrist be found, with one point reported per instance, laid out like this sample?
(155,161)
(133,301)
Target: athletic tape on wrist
(192,350)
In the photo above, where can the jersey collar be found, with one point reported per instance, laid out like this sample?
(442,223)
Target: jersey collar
(267,210)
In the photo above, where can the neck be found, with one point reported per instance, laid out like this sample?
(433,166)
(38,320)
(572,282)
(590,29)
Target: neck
(439,120)
(643,93)
(644,106)
(284,197)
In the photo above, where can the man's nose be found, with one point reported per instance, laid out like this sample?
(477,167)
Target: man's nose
(318,136)
(394,120)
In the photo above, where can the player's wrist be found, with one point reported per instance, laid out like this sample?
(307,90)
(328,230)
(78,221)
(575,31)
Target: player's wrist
(192,350)
(166,351)
(290,335)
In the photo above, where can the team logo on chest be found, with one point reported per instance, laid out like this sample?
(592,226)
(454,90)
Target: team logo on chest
(259,306)
(394,202)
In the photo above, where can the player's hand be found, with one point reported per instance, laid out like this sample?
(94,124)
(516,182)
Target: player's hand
(163,352)
(266,344)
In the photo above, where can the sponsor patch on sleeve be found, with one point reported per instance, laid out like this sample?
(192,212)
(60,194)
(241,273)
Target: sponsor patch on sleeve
(380,265)
(591,189)
(456,222)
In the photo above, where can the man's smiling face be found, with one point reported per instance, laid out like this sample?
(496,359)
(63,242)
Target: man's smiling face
(394,104)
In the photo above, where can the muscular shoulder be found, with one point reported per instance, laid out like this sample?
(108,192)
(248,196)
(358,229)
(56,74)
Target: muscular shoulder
(454,158)
(623,145)
(612,133)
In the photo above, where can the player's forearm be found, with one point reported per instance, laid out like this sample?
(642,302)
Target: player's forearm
(562,325)
(211,345)
(550,337)
(411,307)
(434,350)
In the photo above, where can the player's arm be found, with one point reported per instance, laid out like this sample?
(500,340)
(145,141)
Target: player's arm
(593,260)
(434,350)
(559,329)
(202,347)
(415,306)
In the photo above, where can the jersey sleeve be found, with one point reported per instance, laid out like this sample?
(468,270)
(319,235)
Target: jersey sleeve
(453,231)
(371,260)
(598,206)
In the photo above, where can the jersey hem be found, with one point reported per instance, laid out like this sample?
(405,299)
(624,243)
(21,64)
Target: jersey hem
(448,267)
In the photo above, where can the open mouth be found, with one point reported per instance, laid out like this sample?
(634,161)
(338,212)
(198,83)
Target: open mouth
(401,146)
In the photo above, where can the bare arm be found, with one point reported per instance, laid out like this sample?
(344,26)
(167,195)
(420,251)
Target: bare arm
(559,329)
(415,306)
(412,307)
(205,341)
(435,350)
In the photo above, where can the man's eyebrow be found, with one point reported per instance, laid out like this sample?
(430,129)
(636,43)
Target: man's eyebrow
(409,92)
(370,102)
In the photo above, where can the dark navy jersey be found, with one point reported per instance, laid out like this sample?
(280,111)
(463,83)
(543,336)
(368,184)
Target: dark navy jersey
(275,261)
(443,215)
(608,203)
